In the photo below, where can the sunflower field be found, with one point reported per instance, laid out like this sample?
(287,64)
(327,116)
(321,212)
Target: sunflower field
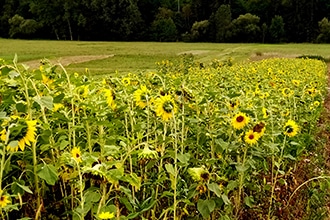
(188,141)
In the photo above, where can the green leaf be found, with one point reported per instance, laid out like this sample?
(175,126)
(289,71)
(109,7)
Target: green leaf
(48,173)
(25,188)
(232,184)
(249,201)
(44,101)
(170,169)
(64,144)
(225,199)
(126,202)
(184,158)
(92,196)
(12,74)
(213,187)
(13,144)
(205,207)
(240,168)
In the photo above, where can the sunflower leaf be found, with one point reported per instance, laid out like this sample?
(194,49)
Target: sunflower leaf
(205,207)
(44,101)
(48,173)
(25,188)
(213,187)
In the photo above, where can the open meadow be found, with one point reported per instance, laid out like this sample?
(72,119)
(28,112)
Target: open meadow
(140,56)
(184,131)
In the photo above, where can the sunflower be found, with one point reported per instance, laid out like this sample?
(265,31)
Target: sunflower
(4,201)
(126,81)
(259,129)
(296,82)
(240,120)
(232,105)
(148,154)
(199,174)
(251,137)
(83,91)
(165,107)
(57,106)
(76,154)
(141,96)
(291,128)
(110,97)
(106,215)
(286,92)
(22,133)
(265,112)
(45,80)
(3,135)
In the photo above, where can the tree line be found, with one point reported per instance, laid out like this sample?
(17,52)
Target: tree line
(269,21)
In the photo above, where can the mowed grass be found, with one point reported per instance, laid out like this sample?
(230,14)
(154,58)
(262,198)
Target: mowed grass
(142,56)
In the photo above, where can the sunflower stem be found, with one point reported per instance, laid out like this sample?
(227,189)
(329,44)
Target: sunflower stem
(72,131)
(279,162)
(175,167)
(241,182)
(36,178)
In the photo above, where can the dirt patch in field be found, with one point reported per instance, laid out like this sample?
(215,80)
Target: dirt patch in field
(194,52)
(261,56)
(65,61)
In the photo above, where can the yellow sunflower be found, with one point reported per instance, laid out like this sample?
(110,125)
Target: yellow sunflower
(199,173)
(265,112)
(76,154)
(240,120)
(141,96)
(57,106)
(23,133)
(232,105)
(83,91)
(165,107)
(110,98)
(106,215)
(45,80)
(291,128)
(251,137)
(259,129)
(126,81)
(286,92)
(3,135)
(4,200)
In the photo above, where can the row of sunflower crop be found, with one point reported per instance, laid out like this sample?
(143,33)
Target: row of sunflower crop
(187,141)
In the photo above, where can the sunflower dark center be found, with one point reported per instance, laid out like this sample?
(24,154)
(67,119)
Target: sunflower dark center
(289,129)
(2,198)
(251,136)
(77,155)
(144,97)
(168,107)
(205,176)
(240,118)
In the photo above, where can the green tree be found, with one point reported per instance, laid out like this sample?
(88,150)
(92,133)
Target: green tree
(20,27)
(245,29)
(163,29)
(324,35)
(276,29)
(219,23)
(199,31)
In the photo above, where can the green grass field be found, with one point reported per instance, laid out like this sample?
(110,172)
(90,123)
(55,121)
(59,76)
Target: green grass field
(141,56)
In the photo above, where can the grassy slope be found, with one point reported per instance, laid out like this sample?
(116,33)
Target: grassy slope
(136,56)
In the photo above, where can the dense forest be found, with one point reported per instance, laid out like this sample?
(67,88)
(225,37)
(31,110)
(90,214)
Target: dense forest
(270,21)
